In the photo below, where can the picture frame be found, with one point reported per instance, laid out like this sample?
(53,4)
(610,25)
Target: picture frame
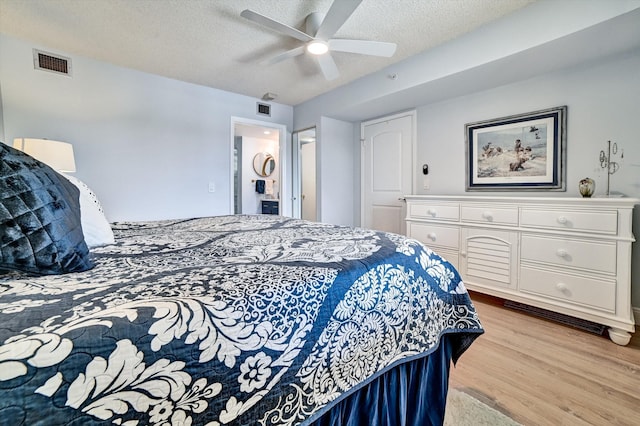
(518,152)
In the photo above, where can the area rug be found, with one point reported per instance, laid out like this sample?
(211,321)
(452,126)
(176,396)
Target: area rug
(465,410)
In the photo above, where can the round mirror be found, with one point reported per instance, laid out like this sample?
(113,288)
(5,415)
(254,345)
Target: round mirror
(264,164)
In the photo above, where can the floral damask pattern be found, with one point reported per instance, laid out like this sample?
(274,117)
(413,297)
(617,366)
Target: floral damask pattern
(216,321)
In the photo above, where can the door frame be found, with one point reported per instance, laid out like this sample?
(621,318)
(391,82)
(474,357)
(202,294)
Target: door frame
(414,136)
(285,177)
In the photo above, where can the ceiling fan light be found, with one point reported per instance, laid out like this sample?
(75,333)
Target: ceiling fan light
(317,47)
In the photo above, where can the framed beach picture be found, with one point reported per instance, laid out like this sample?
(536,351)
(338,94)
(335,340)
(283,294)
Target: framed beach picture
(519,152)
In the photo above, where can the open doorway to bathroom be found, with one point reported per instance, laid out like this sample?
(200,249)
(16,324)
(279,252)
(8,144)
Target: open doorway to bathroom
(305,198)
(257,167)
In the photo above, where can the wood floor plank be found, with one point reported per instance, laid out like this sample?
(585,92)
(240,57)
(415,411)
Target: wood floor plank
(540,372)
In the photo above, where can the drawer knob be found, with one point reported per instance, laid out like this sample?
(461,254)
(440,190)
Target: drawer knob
(562,287)
(431,236)
(562,220)
(431,212)
(562,253)
(487,215)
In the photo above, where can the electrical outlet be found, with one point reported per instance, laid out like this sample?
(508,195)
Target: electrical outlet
(212,187)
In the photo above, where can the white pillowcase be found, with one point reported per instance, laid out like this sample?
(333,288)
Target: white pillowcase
(95,226)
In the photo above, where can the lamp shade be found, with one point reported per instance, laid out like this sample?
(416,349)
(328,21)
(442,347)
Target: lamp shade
(58,155)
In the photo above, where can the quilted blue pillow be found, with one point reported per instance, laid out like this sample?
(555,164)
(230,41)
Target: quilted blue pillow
(40,227)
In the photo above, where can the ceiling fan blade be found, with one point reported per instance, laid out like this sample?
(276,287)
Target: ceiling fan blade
(275,25)
(337,15)
(285,55)
(328,67)
(363,47)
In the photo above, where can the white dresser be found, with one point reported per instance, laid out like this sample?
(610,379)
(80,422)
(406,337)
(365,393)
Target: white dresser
(567,255)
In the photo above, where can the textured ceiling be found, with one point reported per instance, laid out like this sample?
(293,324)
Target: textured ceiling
(207,42)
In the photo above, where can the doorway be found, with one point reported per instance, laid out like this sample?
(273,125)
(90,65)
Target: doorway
(305,198)
(251,140)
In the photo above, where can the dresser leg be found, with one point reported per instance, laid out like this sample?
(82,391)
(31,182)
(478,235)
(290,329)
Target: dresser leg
(619,337)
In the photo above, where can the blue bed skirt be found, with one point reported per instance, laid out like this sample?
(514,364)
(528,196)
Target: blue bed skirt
(410,394)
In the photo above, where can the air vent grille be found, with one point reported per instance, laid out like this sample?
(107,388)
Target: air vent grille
(264,109)
(49,62)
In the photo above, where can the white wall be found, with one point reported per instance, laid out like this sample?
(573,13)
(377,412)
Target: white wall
(147,145)
(336,174)
(602,101)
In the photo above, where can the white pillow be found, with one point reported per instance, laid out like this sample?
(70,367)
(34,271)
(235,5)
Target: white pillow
(95,226)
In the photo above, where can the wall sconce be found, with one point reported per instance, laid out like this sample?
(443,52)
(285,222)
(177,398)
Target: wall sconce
(58,155)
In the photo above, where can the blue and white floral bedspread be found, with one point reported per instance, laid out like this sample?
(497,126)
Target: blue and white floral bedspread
(225,320)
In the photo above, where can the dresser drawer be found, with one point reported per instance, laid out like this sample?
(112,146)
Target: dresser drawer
(600,221)
(440,211)
(568,288)
(435,235)
(489,214)
(581,254)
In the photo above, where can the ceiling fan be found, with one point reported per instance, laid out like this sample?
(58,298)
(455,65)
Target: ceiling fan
(318,41)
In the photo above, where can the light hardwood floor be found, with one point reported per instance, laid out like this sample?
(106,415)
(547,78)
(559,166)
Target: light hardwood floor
(540,372)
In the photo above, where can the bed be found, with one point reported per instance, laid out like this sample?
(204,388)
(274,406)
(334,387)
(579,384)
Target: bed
(226,320)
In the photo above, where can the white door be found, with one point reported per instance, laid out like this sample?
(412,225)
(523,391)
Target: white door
(387,170)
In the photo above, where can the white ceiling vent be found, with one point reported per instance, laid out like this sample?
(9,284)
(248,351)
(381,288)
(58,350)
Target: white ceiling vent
(263,109)
(49,62)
